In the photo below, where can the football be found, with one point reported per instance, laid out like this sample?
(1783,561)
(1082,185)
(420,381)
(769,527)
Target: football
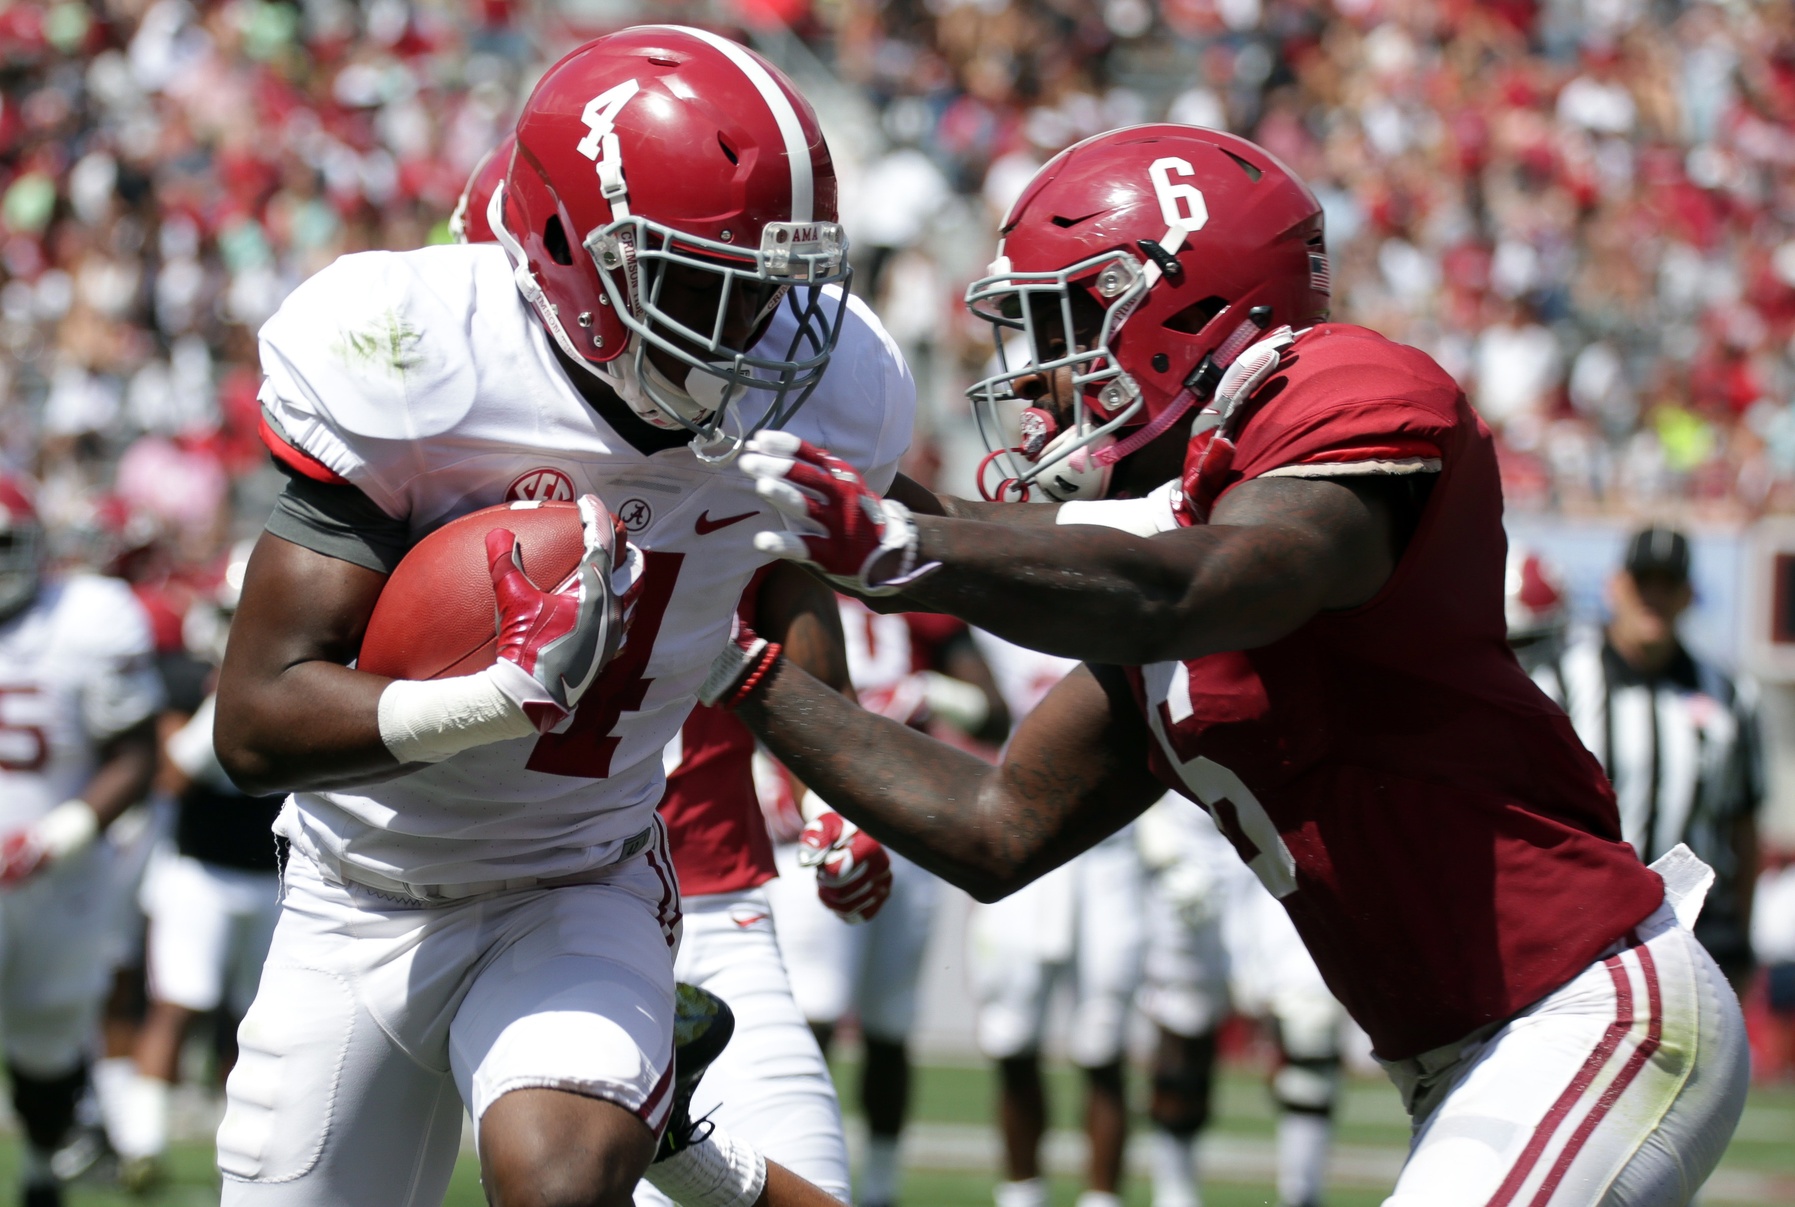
(436,616)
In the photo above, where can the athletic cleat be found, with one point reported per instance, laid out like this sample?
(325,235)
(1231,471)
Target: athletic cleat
(702,1025)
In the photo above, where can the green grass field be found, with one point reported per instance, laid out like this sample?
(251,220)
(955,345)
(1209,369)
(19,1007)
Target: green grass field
(954,1107)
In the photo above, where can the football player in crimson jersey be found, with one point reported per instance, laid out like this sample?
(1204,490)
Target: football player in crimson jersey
(771,1086)
(78,700)
(1299,625)
(479,907)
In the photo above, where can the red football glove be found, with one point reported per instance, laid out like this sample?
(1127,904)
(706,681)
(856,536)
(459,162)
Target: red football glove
(853,872)
(833,519)
(562,638)
(22,856)
(66,830)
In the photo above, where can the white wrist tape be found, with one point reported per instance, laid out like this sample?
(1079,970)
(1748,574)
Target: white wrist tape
(812,806)
(1147,516)
(191,750)
(67,829)
(718,1171)
(955,700)
(431,720)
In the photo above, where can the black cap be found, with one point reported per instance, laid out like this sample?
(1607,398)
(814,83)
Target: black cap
(1658,551)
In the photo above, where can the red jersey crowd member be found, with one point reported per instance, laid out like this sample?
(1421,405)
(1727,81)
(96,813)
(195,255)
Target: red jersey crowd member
(1300,627)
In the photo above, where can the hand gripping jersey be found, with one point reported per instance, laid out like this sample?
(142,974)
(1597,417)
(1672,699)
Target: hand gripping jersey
(76,668)
(1448,850)
(421,378)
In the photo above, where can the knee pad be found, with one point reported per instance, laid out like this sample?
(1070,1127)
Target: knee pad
(1182,1089)
(1307,1086)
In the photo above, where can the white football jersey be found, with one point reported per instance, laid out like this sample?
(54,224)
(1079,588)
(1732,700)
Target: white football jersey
(421,378)
(76,669)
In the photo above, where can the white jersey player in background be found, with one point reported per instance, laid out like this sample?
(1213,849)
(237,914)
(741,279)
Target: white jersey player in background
(78,694)
(922,670)
(1080,924)
(1217,940)
(479,909)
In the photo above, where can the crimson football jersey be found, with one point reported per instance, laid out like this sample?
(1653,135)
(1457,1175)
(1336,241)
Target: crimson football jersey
(714,824)
(1445,845)
(715,827)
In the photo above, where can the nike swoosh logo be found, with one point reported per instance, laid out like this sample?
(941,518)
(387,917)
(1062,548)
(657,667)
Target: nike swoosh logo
(706,525)
(751,919)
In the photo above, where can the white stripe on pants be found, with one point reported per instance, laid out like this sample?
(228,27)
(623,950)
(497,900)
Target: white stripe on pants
(1620,1088)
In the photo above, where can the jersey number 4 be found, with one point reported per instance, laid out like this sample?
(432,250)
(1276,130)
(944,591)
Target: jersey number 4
(585,747)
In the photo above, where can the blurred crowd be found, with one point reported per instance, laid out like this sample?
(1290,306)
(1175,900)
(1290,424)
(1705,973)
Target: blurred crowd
(1584,208)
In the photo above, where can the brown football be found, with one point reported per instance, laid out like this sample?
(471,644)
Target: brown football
(436,617)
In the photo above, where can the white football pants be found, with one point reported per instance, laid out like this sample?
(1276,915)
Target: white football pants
(770,1087)
(870,969)
(377,1018)
(1620,1088)
(1081,922)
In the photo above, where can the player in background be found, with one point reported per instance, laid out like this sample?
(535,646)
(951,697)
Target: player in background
(1537,612)
(211,897)
(1080,924)
(1302,629)
(78,696)
(1217,941)
(478,905)
(1677,736)
(921,670)
(770,1087)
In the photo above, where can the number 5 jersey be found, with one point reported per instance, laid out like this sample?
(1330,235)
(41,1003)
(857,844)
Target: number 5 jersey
(1448,850)
(421,379)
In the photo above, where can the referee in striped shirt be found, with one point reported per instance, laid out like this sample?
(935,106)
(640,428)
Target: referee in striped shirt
(1678,738)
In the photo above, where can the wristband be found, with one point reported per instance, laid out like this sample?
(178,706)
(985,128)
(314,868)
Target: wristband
(718,1171)
(67,829)
(427,721)
(737,671)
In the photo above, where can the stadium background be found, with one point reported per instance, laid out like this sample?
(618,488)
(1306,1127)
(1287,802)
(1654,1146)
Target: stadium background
(1585,209)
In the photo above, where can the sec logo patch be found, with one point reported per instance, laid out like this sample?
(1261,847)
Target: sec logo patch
(543,485)
(636,514)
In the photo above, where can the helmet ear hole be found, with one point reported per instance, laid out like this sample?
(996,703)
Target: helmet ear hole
(554,239)
(1196,316)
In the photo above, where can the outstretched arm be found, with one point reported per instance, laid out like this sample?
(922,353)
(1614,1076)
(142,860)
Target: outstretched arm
(1075,772)
(1275,552)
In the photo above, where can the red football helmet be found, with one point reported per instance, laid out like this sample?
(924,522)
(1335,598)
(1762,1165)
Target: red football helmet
(468,222)
(668,191)
(1141,261)
(1534,598)
(21,547)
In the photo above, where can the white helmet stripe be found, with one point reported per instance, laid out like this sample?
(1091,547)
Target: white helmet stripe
(797,150)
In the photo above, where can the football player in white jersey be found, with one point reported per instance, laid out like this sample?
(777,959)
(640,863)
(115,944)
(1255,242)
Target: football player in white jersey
(770,1087)
(479,909)
(78,698)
